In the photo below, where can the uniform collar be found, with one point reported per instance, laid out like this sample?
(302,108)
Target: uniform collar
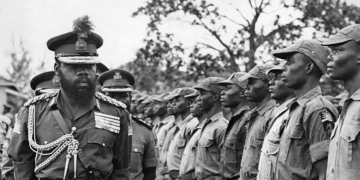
(282,107)
(244,108)
(167,119)
(201,124)
(56,102)
(187,119)
(309,95)
(216,116)
(265,107)
(355,96)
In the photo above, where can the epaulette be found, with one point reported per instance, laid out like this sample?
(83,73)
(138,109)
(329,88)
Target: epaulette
(143,122)
(110,100)
(40,98)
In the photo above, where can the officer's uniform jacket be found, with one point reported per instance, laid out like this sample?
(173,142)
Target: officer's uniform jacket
(344,151)
(271,142)
(255,136)
(208,149)
(181,137)
(143,153)
(233,144)
(105,147)
(305,139)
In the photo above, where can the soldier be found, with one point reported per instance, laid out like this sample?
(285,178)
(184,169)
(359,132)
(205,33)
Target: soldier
(344,151)
(75,133)
(187,165)
(148,110)
(233,97)
(283,96)
(257,91)
(160,110)
(305,134)
(140,107)
(118,84)
(181,105)
(213,131)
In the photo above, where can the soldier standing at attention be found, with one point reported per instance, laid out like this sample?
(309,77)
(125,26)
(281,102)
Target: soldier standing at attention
(213,131)
(344,151)
(187,165)
(118,84)
(305,134)
(257,91)
(75,133)
(283,96)
(183,131)
(233,97)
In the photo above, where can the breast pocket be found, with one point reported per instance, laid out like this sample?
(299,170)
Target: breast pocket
(137,154)
(349,140)
(205,151)
(294,152)
(180,145)
(233,152)
(99,148)
(255,150)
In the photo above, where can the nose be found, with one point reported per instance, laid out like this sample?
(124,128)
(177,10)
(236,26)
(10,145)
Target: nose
(330,57)
(83,70)
(271,82)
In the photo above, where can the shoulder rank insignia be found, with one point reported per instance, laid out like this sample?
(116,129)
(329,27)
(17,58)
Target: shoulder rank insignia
(325,116)
(40,98)
(143,122)
(107,122)
(110,100)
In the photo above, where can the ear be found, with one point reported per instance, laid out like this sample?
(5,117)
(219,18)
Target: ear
(216,97)
(56,68)
(309,67)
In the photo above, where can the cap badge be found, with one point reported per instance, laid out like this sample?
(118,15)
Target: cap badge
(82,27)
(80,44)
(117,76)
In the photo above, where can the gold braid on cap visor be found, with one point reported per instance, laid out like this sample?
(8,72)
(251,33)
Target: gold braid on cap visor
(106,89)
(80,60)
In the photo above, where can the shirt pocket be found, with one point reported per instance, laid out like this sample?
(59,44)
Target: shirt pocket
(350,156)
(273,148)
(233,150)
(205,151)
(294,152)
(180,145)
(99,148)
(137,154)
(255,150)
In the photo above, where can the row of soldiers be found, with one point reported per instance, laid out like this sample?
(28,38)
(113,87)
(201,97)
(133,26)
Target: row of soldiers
(279,125)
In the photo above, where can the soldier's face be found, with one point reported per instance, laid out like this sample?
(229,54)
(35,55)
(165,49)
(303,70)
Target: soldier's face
(195,107)
(256,90)
(295,74)
(124,97)
(344,61)
(231,95)
(148,110)
(140,108)
(180,105)
(77,78)
(278,90)
(160,108)
(170,109)
(207,99)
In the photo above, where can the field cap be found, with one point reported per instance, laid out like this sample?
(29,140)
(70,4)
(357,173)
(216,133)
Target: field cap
(210,84)
(148,100)
(78,46)
(311,48)
(161,97)
(235,79)
(193,95)
(116,80)
(45,82)
(257,72)
(349,33)
(181,92)
(279,67)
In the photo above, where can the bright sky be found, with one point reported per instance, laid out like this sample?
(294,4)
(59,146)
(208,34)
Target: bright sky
(37,21)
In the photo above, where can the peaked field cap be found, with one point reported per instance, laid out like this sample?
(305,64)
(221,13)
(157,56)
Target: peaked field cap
(257,72)
(235,79)
(210,84)
(148,100)
(45,80)
(279,67)
(349,33)
(181,92)
(78,46)
(193,95)
(136,96)
(161,97)
(311,48)
(142,98)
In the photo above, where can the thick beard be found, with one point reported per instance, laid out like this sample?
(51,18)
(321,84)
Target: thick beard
(75,93)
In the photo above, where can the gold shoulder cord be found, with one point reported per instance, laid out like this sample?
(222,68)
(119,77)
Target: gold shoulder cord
(56,147)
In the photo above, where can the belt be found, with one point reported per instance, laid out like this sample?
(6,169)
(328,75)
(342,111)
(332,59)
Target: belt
(173,174)
(188,176)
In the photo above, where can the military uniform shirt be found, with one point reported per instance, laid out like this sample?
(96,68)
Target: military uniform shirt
(163,127)
(143,154)
(254,139)
(181,137)
(344,151)
(271,142)
(208,149)
(169,137)
(106,151)
(187,165)
(305,139)
(233,144)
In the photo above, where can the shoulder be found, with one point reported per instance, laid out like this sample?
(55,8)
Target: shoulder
(320,104)
(43,97)
(141,122)
(109,100)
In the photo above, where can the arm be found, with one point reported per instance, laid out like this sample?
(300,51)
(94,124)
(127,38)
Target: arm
(122,150)
(150,159)
(7,167)
(19,151)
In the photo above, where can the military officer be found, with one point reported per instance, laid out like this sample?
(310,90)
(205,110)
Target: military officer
(233,97)
(118,84)
(344,151)
(74,133)
(305,134)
